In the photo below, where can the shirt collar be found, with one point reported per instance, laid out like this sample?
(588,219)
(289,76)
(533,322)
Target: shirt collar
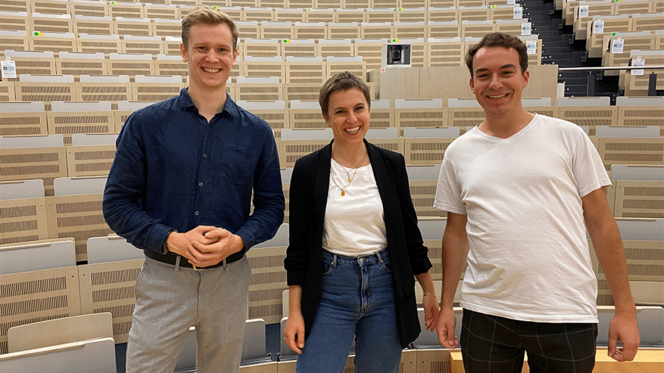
(185,102)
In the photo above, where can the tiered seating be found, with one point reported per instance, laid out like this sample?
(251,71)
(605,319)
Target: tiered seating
(268,279)
(641,111)
(637,146)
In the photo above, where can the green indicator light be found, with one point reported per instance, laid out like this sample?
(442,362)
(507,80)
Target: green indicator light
(215,7)
(37,33)
(308,9)
(613,34)
(399,9)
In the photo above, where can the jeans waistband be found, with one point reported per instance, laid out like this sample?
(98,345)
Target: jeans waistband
(377,257)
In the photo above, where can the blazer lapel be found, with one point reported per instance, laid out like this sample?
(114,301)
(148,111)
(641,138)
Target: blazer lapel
(321,186)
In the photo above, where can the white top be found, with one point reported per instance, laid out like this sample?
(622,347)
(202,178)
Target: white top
(355,222)
(529,258)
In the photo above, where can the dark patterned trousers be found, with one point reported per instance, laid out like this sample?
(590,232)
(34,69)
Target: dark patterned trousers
(492,344)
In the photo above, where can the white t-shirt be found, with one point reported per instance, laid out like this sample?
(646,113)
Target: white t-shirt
(354,224)
(529,258)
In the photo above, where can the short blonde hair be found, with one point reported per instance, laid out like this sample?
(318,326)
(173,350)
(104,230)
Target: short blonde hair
(208,16)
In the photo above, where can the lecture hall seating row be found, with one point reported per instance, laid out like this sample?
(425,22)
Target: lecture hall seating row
(154,30)
(177,9)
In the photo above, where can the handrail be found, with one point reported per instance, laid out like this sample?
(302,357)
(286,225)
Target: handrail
(655,67)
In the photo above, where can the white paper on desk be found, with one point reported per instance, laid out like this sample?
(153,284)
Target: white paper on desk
(531,46)
(525,29)
(511,2)
(518,13)
(638,62)
(617,46)
(8,69)
(598,26)
(583,11)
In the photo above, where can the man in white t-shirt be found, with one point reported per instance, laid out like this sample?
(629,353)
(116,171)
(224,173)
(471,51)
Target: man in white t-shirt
(520,190)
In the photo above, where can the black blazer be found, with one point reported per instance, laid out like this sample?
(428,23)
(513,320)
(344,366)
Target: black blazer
(308,200)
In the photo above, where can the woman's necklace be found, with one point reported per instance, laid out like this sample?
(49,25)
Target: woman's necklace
(350,178)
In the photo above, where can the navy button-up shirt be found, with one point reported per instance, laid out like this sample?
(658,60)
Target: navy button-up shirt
(174,170)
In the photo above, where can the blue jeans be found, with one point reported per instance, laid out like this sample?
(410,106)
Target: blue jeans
(357,300)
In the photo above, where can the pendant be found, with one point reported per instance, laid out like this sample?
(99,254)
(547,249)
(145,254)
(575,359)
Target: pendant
(349,180)
(343,193)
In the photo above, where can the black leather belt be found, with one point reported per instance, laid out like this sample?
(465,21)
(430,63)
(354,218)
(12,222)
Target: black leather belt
(170,259)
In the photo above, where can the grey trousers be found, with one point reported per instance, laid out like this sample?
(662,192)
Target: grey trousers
(170,301)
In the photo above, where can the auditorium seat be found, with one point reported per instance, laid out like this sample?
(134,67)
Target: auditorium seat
(33,157)
(44,282)
(648,22)
(599,8)
(386,138)
(640,111)
(474,13)
(7,92)
(57,23)
(630,145)
(68,118)
(308,30)
(163,12)
(268,279)
(59,331)
(426,146)
(276,30)
(91,154)
(15,21)
(376,30)
(23,210)
(77,64)
(32,63)
(343,30)
(130,64)
(305,115)
(605,25)
(636,84)
(643,240)
(93,43)
(264,67)
(428,113)
(476,29)
(96,355)
(370,50)
(261,47)
(172,64)
(155,88)
(588,111)
(285,180)
(167,27)
(305,69)
(172,47)
(13,40)
(380,14)
(108,280)
(295,144)
(132,44)
(422,181)
(126,10)
(444,52)
(75,210)
(639,191)
(292,14)
(632,7)
(22,119)
(45,88)
(258,88)
(89,8)
(335,47)
(644,40)
(316,14)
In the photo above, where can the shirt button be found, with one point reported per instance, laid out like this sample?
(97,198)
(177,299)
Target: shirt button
(196,213)
(204,155)
(200,184)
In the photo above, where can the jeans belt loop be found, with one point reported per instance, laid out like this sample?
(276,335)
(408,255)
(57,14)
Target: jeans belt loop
(177,263)
(334,261)
(380,258)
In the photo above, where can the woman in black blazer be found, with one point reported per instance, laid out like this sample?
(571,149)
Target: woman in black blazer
(355,247)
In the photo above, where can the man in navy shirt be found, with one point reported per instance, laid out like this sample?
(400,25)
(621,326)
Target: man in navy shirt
(180,189)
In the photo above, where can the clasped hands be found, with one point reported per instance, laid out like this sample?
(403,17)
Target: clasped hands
(204,246)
